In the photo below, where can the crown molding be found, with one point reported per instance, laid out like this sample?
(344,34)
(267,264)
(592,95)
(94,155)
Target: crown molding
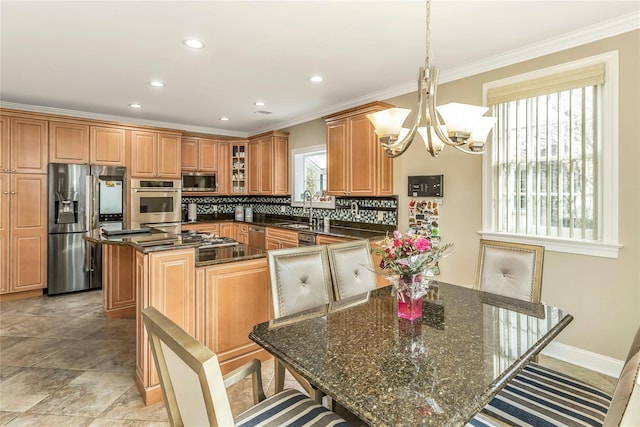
(122,119)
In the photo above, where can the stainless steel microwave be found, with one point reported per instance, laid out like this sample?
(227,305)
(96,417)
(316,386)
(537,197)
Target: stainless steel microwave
(196,181)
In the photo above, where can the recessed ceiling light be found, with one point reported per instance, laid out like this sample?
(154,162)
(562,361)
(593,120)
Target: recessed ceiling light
(224,119)
(193,43)
(316,79)
(135,105)
(259,104)
(156,83)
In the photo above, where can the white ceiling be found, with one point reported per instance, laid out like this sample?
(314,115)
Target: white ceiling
(98,56)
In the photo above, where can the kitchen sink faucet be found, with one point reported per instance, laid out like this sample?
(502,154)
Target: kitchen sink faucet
(304,199)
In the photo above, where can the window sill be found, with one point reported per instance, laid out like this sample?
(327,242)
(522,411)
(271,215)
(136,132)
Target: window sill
(598,249)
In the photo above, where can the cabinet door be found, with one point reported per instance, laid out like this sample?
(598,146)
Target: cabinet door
(384,186)
(4,233)
(143,154)
(266,166)
(28,268)
(208,155)
(362,159)
(107,146)
(169,156)
(28,151)
(189,154)
(68,143)
(281,165)
(253,170)
(226,230)
(270,244)
(4,144)
(223,177)
(337,157)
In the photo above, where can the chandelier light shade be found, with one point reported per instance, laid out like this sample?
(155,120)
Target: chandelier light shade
(459,125)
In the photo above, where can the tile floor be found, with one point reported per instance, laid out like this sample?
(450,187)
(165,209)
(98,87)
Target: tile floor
(63,364)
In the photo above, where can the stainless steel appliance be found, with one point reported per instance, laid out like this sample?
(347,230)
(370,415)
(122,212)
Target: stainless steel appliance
(256,237)
(197,181)
(306,239)
(156,203)
(206,240)
(81,198)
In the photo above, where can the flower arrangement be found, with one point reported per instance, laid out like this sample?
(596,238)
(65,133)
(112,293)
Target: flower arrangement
(408,253)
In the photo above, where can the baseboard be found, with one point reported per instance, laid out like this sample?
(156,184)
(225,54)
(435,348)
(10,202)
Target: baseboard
(586,359)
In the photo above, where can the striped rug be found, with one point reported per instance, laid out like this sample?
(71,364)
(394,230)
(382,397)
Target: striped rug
(542,397)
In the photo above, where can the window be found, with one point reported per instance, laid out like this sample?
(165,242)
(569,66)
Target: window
(551,170)
(310,173)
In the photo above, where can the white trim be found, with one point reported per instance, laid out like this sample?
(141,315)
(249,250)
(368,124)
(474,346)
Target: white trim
(579,247)
(584,358)
(292,185)
(608,162)
(122,119)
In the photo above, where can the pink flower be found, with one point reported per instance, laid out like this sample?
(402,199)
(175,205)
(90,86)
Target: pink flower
(397,243)
(422,245)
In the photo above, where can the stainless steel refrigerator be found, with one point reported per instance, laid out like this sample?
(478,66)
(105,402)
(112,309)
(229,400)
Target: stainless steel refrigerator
(81,198)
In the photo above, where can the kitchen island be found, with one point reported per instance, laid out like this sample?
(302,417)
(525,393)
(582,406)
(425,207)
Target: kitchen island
(215,294)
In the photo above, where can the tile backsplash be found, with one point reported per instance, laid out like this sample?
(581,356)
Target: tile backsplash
(374,210)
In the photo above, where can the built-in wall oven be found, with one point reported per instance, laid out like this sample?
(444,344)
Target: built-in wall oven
(156,203)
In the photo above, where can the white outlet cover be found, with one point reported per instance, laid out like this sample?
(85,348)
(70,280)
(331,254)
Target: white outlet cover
(380,216)
(283,209)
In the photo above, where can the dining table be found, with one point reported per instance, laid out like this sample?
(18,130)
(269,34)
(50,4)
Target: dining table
(437,370)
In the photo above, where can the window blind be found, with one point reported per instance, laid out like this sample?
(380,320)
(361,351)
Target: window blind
(592,75)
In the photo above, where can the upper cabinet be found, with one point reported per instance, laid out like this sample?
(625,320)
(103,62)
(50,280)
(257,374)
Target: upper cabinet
(268,155)
(239,168)
(356,163)
(83,144)
(223,177)
(155,155)
(23,148)
(107,146)
(199,154)
(68,143)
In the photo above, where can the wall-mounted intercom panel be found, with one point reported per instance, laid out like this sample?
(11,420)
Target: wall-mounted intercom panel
(426,186)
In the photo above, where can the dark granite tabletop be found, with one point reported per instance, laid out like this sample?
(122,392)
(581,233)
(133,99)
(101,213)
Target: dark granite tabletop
(436,371)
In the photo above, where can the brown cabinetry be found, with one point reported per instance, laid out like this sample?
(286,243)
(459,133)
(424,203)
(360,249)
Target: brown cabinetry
(83,144)
(231,299)
(240,172)
(322,239)
(199,155)
(107,146)
(68,143)
(213,228)
(269,164)
(118,285)
(166,281)
(24,145)
(277,238)
(242,233)
(356,163)
(223,177)
(23,232)
(155,155)
(23,205)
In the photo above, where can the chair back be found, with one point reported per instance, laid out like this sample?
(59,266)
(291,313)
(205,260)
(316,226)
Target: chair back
(351,268)
(510,269)
(300,279)
(190,376)
(625,405)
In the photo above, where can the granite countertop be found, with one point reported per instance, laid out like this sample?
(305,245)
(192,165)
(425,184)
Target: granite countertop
(156,242)
(337,229)
(435,371)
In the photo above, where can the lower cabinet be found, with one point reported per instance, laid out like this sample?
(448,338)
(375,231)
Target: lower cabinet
(231,299)
(118,281)
(277,238)
(166,281)
(242,233)
(322,239)
(218,304)
(227,230)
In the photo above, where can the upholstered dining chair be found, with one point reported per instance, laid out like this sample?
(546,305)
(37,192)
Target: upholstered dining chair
(510,269)
(541,396)
(300,281)
(194,388)
(352,270)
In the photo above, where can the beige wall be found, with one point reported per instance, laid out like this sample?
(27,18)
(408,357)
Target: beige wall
(602,294)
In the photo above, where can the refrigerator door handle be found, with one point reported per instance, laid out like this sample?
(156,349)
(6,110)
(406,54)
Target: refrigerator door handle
(89,203)
(88,257)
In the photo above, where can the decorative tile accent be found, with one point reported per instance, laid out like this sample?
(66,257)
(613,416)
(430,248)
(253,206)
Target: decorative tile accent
(369,209)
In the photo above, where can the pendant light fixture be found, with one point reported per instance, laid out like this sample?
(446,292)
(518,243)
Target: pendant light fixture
(461,126)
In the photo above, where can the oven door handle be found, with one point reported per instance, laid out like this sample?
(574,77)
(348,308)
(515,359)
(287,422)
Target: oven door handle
(156,190)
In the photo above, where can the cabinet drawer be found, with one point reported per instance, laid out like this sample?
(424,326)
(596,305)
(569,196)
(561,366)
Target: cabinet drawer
(279,234)
(207,228)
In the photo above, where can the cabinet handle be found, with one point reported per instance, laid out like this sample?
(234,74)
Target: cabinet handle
(13,192)
(6,192)
(13,170)
(5,170)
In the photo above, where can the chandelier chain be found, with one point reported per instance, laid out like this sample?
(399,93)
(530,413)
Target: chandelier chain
(427,60)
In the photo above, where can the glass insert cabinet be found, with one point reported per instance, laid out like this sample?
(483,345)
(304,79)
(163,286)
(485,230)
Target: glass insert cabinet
(238,168)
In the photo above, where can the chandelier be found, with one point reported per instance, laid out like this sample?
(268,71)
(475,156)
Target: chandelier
(461,126)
